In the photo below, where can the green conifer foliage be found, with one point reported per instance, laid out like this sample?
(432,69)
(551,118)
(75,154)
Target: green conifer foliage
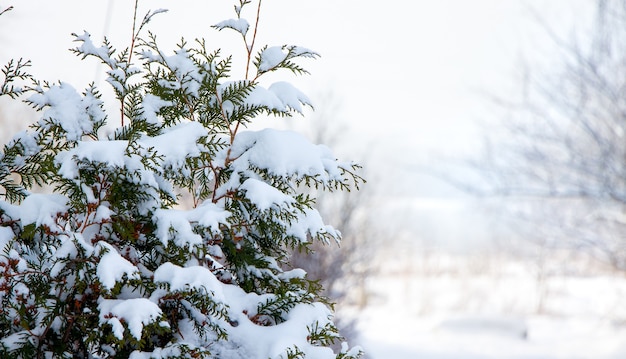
(170,236)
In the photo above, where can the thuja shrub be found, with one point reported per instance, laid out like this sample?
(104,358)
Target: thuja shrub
(109,261)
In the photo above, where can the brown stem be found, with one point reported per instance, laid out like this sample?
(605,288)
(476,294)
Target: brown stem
(132,40)
(249,48)
(233,131)
(130,53)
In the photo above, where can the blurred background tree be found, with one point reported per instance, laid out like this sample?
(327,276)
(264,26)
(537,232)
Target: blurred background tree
(559,155)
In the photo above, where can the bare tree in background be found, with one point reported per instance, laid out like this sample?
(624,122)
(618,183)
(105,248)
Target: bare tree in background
(562,154)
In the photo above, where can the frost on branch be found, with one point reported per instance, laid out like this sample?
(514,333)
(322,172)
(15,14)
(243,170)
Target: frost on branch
(169,237)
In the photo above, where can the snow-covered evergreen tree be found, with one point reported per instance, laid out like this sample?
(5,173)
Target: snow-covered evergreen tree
(109,262)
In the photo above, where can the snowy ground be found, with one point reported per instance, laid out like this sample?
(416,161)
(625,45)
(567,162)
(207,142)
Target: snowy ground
(458,307)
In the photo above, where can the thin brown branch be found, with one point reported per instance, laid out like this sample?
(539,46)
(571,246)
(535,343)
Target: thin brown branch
(251,46)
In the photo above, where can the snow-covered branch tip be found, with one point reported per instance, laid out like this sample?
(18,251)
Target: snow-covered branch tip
(281,57)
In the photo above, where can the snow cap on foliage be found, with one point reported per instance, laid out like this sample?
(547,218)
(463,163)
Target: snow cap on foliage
(284,154)
(112,267)
(88,48)
(135,313)
(239,25)
(68,249)
(151,106)
(187,75)
(290,96)
(260,96)
(186,71)
(263,342)
(6,235)
(173,147)
(177,143)
(28,142)
(265,196)
(280,96)
(181,221)
(65,107)
(38,209)
(184,278)
(272,57)
(310,223)
(252,340)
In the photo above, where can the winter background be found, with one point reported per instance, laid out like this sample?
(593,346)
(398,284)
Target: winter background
(401,85)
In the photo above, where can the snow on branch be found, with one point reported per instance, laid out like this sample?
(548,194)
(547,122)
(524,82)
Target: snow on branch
(179,223)
(239,25)
(134,313)
(281,57)
(67,109)
(285,154)
(112,267)
(87,48)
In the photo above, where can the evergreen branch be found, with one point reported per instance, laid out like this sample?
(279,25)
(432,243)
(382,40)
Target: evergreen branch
(135,33)
(87,48)
(295,353)
(6,10)
(12,71)
(324,336)
(269,59)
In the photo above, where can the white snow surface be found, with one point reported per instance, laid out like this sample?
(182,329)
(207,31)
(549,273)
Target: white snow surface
(66,107)
(284,154)
(207,214)
(151,105)
(272,57)
(6,235)
(134,313)
(173,147)
(265,196)
(39,209)
(290,96)
(184,278)
(432,305)
(113,267)
(311,223)
(240,25)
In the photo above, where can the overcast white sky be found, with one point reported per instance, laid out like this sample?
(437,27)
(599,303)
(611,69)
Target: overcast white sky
(401,68)
(405,73)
